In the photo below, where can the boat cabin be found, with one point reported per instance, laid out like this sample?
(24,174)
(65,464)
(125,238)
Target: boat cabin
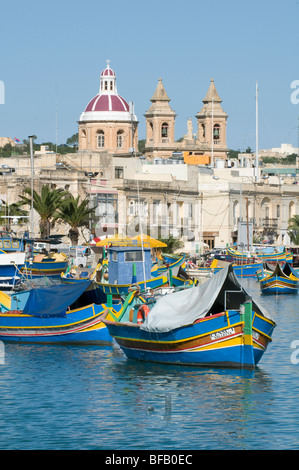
(129,264)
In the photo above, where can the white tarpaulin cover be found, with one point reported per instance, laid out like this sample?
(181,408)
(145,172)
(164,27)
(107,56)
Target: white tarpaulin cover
(184,307)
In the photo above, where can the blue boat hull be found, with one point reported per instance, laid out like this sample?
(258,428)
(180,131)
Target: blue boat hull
(279,285)
(47,268)
(218,340)
(78,326)
(245,270)
(124,289)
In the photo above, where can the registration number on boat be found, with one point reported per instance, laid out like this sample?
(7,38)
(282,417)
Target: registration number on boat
(223,333)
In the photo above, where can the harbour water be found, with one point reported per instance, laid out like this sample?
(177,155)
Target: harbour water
(93,398)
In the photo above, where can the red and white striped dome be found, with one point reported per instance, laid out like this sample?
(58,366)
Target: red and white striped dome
(107,105)
(108,72)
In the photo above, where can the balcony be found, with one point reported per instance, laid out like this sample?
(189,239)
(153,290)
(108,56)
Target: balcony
(269,223)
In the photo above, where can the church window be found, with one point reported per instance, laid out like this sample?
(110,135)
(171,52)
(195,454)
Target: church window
(101,139)
(106,85)
(203,130)
(164,129)
(111,85)
(119,138)
(216,132)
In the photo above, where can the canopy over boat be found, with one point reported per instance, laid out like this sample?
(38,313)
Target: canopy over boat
(54,301)
(220,293)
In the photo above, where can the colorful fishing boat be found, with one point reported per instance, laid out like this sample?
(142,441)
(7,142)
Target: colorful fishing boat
(57,314)
(245,269)
(10,265)
(172,262)
(214,324)
(268,254)
(283,280)
(51,265)
(123,289)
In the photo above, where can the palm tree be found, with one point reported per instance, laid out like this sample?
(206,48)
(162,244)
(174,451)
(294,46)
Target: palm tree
(46,204)
(76,214)
(293,229)
(172,243)
(11,210)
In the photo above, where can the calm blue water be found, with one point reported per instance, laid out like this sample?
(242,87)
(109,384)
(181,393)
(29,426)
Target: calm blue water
(62,397)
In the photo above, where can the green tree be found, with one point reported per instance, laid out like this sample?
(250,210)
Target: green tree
(11,210)
(75,213)
(293,229)
(46,204)
(172,243)
(233,153)
(74,140)
(141,145)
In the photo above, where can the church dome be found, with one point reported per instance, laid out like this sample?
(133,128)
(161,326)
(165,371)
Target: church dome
(108,105)
(108,72)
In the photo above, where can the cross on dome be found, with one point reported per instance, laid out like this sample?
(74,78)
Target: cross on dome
(107,104)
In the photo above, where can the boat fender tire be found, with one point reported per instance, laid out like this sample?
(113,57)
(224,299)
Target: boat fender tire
(142,313)
(134,287)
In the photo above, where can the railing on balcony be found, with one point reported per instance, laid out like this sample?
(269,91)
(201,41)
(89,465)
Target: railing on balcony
(269,223)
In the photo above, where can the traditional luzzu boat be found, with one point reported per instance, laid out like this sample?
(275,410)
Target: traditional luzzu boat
(214,324)
(266,254)
(282,280)
(172,262)
(51,265)
(10,265)
(57,314)
(130,263)
(31,265)
(241,270)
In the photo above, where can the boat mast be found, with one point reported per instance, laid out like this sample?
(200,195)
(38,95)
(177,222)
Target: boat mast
(32,172)
(256,135)
(212,141)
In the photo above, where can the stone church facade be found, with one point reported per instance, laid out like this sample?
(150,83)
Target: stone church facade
(108,124)
(208,143)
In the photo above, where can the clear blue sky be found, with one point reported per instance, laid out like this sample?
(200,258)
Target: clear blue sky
(52,54)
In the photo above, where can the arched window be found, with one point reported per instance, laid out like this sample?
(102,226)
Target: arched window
(216,132)
(265,208)
(119,139)
(101,139)
(236,211)
(164,130)
(292,208)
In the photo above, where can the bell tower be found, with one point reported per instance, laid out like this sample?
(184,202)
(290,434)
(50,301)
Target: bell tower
(211,124)
(160,125)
